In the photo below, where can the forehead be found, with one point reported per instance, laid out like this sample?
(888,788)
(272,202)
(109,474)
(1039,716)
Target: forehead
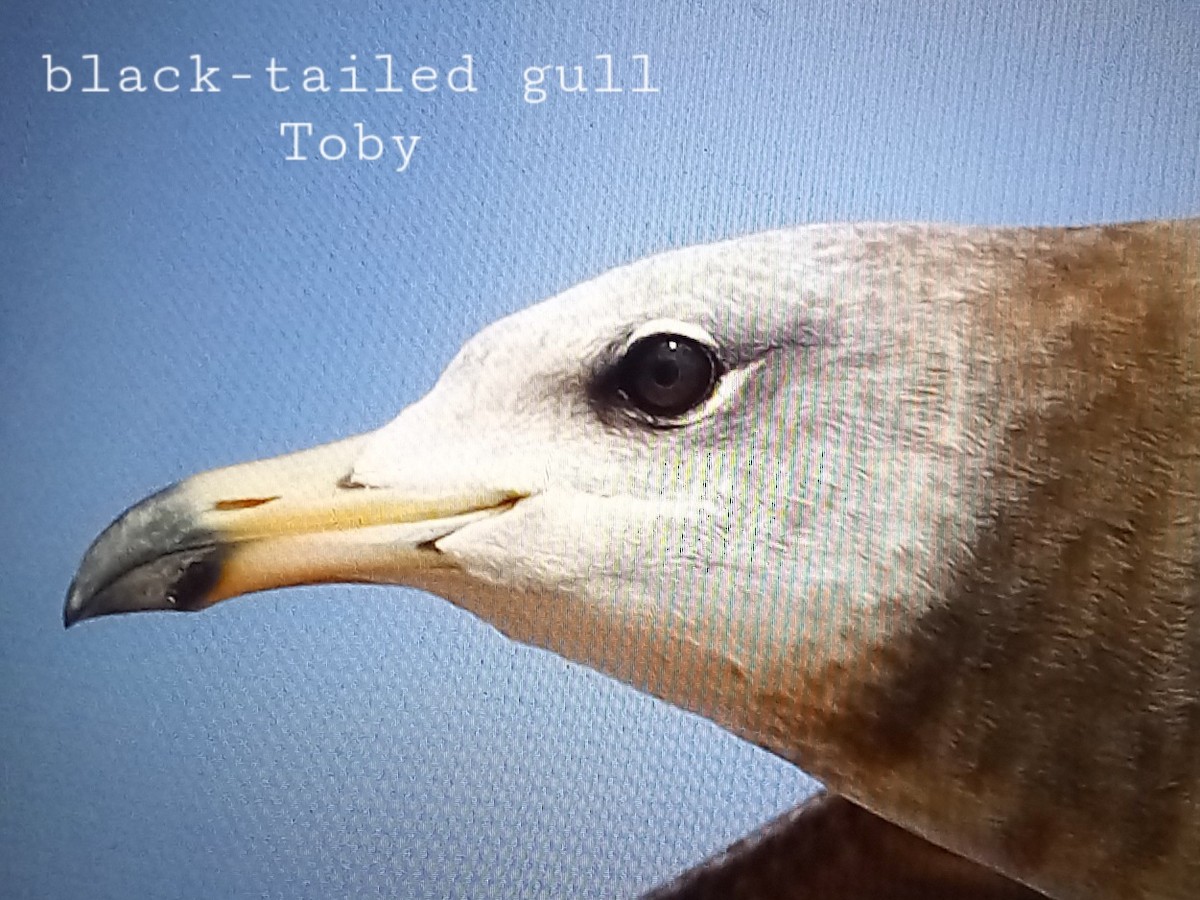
(760,289)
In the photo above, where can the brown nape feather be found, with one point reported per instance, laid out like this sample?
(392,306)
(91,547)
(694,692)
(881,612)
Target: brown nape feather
(1043,715)
(829,849)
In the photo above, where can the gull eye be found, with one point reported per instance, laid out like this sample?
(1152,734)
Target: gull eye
(666,374)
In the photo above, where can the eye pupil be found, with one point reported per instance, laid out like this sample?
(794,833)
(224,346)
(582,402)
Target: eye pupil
(666,375)
(666,372)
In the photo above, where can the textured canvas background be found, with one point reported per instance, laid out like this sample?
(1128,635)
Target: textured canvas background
(176,296)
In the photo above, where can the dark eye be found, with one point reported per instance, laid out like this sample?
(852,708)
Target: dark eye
(666,374)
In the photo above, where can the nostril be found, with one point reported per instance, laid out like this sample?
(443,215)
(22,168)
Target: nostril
(242,503)
(347,482)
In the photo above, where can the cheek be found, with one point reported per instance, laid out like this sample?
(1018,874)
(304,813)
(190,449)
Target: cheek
(621,556)
(621,586)
(561,543)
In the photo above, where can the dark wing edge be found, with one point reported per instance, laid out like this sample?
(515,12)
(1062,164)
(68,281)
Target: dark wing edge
(827,848)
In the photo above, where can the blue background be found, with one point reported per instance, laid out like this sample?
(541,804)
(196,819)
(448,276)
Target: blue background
(176,296)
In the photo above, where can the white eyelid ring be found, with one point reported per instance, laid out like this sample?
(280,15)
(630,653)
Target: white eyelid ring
(671,326)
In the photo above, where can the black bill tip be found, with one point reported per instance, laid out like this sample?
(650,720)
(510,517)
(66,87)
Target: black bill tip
(180,581)
(154,556)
